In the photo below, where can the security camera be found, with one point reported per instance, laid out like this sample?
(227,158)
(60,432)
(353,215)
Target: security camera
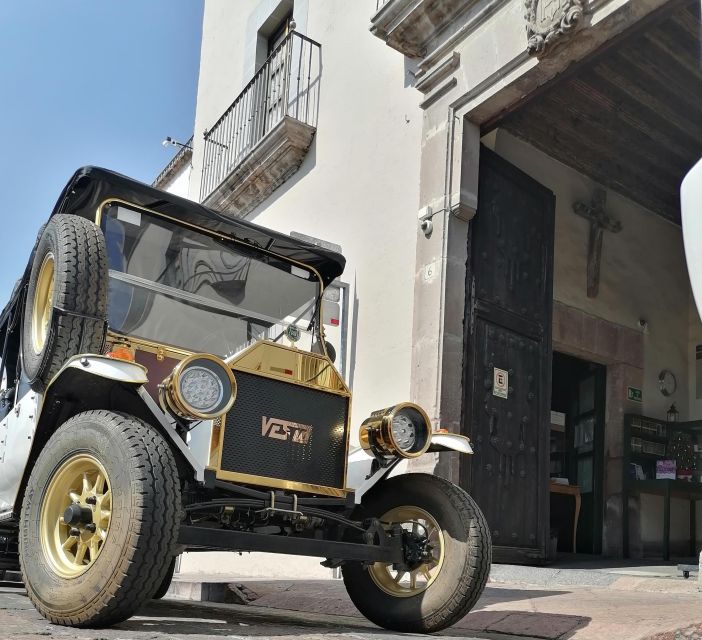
(427,226)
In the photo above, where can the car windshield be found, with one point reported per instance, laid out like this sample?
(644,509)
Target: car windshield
(175,285)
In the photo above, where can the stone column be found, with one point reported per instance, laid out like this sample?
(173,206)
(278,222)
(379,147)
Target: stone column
(448,185)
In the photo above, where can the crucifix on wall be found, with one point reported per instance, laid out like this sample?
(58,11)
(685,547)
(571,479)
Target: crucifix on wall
(600,221)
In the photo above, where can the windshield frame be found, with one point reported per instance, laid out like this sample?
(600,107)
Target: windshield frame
(250,247)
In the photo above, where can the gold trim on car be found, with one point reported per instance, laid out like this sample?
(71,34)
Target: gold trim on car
(376,431)
(304,367)
(288,364)
(43,304)
(142,344)
(277,483)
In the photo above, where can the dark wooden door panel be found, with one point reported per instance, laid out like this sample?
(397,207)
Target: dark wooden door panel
(506,446)
(511,268)
(508,329)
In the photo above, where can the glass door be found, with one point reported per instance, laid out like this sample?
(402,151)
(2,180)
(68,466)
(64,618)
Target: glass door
(587,453)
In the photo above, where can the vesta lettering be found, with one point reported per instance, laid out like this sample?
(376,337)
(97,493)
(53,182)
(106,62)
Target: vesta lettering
(285,430)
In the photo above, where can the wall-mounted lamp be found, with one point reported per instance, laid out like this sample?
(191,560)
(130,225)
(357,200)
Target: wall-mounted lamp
(168,142)
(673,414)
(425,220)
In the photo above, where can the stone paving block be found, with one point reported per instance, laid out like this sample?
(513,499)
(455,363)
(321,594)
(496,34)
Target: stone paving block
(539,625)
(481,620)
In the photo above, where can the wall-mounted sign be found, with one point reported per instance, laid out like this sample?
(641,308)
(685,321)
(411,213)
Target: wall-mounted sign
(500,383)
(293,333)
(634,394)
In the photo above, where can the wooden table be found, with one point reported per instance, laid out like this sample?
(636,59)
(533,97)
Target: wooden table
(570,490)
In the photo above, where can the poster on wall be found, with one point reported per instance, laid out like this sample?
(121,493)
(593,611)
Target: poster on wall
(665,469)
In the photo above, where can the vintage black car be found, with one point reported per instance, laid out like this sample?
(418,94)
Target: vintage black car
(166,386)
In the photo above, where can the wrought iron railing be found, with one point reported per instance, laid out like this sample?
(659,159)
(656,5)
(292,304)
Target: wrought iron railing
(287,84)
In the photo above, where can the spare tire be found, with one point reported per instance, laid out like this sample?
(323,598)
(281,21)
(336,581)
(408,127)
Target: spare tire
(66,307)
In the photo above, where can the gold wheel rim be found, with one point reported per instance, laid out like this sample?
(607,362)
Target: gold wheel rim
(43,304)
(71,549)
(402,583)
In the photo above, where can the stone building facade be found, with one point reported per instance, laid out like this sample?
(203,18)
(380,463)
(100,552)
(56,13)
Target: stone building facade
(502,176)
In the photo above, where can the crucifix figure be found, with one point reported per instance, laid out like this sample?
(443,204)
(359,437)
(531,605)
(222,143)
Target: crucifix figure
(600,222)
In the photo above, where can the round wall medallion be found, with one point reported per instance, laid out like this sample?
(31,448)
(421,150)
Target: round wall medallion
(667,382)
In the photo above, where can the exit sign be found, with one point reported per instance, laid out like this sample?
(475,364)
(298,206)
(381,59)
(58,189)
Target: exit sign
(634,394)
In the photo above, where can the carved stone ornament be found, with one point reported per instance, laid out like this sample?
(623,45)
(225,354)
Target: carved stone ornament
(548,20)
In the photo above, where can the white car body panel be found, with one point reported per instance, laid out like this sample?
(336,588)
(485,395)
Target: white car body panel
(106,367)
(361,480)
(691,212)
(18,428)
(16,437)
(450,442)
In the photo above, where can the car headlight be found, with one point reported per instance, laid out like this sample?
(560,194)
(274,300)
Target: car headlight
(402,430)
(201,386)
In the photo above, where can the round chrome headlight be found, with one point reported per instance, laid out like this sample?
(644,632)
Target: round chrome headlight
(403,430)
(201,386)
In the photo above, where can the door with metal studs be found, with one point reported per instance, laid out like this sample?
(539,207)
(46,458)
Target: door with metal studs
(507,362)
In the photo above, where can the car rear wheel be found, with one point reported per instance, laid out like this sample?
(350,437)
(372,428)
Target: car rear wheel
(166,583)
(99,520)
(66,298)
(437,587)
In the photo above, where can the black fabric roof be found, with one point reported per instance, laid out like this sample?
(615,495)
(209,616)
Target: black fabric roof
(90,186)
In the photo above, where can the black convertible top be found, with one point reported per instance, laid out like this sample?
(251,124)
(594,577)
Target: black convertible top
(90,186)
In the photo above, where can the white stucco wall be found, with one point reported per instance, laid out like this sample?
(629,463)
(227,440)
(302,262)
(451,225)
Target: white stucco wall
(358,185)
(180,183)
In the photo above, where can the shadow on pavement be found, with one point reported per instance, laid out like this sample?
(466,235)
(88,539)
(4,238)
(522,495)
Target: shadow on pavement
(523,623)
(486,619)
(510,594)
(190,618)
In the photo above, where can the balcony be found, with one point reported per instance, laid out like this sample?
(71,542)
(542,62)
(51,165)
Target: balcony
(410,25)
(263,137)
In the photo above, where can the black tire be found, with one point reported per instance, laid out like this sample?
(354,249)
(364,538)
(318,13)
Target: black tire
(163,588)
(79,286)
(462,576)
(143,526)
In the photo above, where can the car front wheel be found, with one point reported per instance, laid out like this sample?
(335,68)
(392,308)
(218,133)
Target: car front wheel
(448,556)
(99,520)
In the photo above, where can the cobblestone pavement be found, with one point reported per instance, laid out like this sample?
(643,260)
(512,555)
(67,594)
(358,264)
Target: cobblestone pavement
(629,608)
(177,620)
(555,606)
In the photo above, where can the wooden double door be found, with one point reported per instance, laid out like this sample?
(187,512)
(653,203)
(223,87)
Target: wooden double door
(507,361)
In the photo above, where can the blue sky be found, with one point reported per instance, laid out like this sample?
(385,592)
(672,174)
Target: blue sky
(87,82)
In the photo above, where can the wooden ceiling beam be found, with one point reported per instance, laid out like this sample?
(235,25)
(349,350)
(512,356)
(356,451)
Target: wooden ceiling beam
(614,172)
